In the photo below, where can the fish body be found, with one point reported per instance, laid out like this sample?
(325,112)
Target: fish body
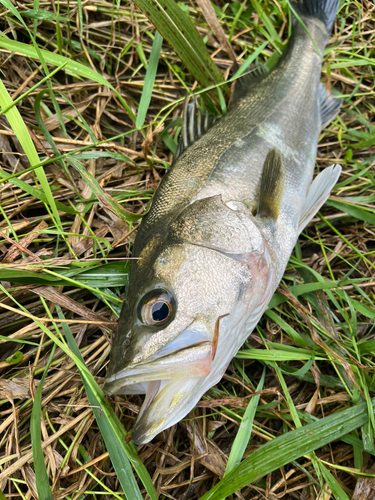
(222,226)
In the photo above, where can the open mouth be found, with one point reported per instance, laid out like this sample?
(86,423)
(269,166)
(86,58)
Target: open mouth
(165,390)
(165,378)
(162,378)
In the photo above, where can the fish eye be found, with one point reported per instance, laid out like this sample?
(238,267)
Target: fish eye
(156,308)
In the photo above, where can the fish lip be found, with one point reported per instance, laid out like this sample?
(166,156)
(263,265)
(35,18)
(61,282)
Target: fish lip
(138,441)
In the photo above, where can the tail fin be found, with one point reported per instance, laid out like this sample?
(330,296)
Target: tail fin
(324,10)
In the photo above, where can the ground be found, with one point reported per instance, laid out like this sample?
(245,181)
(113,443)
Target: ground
(67,229)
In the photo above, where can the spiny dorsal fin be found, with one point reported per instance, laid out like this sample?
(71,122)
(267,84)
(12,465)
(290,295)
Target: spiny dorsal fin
(271,186)
(245,81)
(195,123)
(329,106)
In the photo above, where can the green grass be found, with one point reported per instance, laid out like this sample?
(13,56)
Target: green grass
(310,427)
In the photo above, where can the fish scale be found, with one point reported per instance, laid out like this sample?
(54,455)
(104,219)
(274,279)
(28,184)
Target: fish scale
(221,228)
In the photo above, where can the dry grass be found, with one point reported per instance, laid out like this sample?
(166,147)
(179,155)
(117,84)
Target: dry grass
(188,459)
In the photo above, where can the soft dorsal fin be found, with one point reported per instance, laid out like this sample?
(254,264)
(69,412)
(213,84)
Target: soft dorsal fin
(329,106)
(271,186)
(318,193)
(244,82)
(195,123)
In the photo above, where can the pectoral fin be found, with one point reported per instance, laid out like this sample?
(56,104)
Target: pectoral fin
(318,194)
(271,187)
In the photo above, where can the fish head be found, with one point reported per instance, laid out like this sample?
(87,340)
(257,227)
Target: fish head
(161,314)
(182,322)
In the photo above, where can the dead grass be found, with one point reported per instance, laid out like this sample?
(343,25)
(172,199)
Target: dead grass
(188,459)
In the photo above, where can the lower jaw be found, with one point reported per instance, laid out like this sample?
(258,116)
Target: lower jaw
(152,420)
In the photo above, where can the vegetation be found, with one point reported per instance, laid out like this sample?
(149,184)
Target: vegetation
(91,100)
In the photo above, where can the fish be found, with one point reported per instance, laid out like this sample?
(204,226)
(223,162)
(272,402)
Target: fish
(223,223)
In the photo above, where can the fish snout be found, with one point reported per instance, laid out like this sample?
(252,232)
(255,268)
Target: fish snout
(122,358)
(112,387)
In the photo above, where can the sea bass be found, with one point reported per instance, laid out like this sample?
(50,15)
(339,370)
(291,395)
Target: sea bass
(222,226)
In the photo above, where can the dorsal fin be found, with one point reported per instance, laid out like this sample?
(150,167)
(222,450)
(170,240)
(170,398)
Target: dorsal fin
(195,123)
(271,186)
(247,80)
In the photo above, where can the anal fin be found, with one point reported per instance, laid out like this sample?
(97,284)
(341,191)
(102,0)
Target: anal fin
(271,186)
(318,193)
(329,106)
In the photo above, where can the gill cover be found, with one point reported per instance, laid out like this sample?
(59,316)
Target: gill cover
(226,228)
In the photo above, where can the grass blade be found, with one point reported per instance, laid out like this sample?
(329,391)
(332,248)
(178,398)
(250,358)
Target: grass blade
(75,68)
(244,432)
(353,210)
(111,430)
(41,476)
(102,276)
(174,25)
(104,198)
(249,60)
(37,193)
(333,483)
(289,447)
(20,129)
(268,355)
(266,20)
(149,80)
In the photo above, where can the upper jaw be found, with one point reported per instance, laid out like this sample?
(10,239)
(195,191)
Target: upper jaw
(192,350)
(192,362)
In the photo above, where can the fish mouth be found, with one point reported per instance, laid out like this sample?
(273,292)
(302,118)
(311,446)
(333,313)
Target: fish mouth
(167,401)
(164,379)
